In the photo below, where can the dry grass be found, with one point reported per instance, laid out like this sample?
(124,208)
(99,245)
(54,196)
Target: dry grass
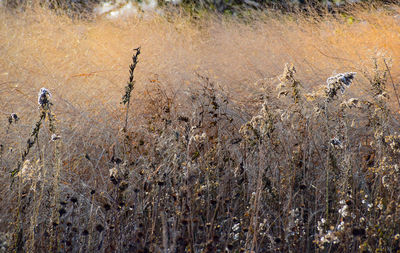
(195,77)
(58,52)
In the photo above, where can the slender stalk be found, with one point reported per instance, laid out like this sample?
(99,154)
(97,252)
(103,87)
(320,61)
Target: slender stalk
(327,167)
(391,79)
(126,99)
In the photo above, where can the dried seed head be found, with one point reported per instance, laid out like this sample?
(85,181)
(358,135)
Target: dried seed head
(13,117)
(55,137)
(339,82)
(74,200)
(62,211)
(336,143)
(99,228)
(352,102)
(343,78)
(394,142)
(43,97)
(114,175)
(107,206)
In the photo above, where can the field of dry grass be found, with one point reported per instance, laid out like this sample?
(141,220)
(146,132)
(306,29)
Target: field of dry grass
(222,152)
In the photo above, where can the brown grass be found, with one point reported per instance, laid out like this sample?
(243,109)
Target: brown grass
(40,48)
(193,68)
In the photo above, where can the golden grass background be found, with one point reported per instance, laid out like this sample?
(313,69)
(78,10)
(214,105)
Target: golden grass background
(86,61)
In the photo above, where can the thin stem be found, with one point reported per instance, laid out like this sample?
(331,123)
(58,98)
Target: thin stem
(391,79)
(126,116)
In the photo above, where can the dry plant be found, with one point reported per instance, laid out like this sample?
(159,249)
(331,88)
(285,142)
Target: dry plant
(202,155)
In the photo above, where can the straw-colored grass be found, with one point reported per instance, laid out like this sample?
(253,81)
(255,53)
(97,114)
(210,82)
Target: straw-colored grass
(200,166)
(83,59)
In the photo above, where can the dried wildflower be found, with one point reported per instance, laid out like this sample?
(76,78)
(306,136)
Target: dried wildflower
(340,226)
(13,117)
(379,79)
(310,96)
(259,125)
(123,186)
(43,97)
(329,237)
(44,103)
(55,137)
(344,78)
(183,118)
(287,79)
(114,175)
(107,206)
(198,138)
(385,181)
(285,116)
(352,102)
(236,227)
(283,93)
(114,159)
(62,211)
(338,82)
(383,96)
(394,142)
(336,143)
(343,211)
(99,228)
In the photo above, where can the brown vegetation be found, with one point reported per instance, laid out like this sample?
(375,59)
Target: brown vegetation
(219,151)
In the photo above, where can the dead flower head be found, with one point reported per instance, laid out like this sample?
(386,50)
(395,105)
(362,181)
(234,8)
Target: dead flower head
(339,82)
(336,143)
(43,97)
(55,137)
